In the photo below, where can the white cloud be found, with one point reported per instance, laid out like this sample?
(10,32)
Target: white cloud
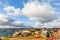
(11,10)
(57,22)
(8,22)
(38,25)
(21,25)
(39,12)
(7,26)
(41,25)
(17,23)
(53,24)
(3,18)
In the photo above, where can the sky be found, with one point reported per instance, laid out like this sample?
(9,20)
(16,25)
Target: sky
(29,13)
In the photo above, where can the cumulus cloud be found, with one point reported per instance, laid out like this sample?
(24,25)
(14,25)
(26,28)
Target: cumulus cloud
(57,23)
(8,22)
(41,25)
(11,10)
(18,24)
(5,20)
(3,17)
(21,25)
(39,12)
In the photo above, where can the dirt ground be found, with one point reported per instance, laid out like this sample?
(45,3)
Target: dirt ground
(26,39)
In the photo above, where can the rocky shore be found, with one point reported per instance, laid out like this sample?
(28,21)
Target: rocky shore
(35,34)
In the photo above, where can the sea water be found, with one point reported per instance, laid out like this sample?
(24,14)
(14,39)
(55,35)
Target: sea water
(4,32)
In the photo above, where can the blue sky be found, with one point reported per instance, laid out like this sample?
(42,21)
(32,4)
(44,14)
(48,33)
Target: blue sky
(16,4)
(29,17)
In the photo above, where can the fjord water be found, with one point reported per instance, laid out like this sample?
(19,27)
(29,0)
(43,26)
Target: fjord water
(4,32)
